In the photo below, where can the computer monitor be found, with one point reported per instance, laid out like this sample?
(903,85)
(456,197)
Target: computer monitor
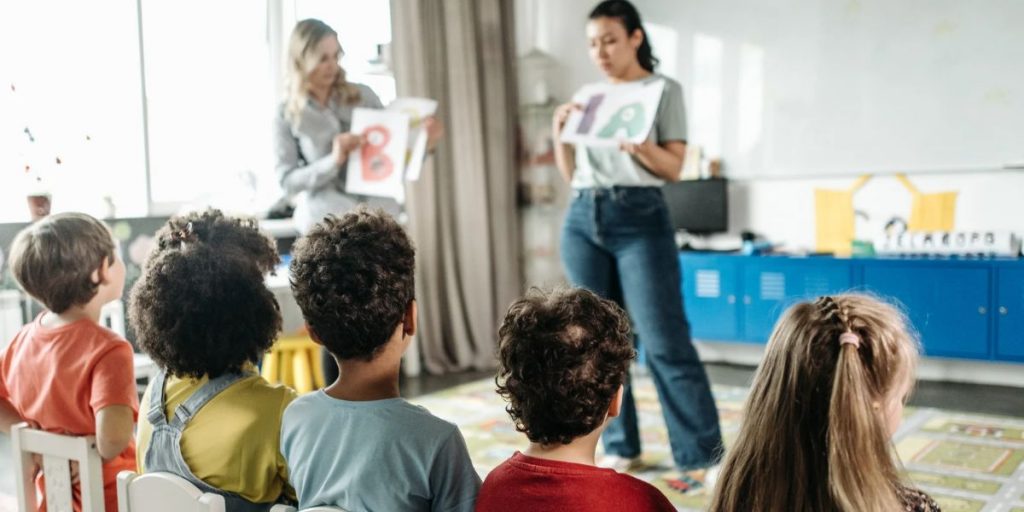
(698,206)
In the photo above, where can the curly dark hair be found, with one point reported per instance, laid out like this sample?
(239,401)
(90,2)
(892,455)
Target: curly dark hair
(53,259)
(353,277)
(562,355)
(201,306)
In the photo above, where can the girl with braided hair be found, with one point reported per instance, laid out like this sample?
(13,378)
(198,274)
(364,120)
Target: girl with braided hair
(823,407)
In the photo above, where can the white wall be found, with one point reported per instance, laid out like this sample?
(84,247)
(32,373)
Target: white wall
(782,209)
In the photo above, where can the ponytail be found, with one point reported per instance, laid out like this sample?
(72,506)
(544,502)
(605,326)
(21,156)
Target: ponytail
(630,18)
(813,437)
(861,471)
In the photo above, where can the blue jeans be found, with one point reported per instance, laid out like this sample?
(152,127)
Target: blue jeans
(618,242)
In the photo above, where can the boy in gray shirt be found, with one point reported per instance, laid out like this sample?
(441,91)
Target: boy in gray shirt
(356,444)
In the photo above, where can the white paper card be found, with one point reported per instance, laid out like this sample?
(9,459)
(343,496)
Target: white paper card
(418,109)
(613,113)
(375,168)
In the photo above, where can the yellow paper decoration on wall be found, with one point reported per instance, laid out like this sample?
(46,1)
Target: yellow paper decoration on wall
(834,221)
(929,212)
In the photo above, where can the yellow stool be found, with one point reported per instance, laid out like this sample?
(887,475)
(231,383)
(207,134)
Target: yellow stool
(294,361)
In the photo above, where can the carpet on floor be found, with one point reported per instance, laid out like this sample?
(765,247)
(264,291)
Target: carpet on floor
(967,462)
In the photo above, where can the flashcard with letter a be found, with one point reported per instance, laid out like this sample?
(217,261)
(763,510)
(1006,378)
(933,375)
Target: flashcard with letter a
(613,113)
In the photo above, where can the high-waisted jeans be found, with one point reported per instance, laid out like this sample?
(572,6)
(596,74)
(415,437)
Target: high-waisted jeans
(618,242)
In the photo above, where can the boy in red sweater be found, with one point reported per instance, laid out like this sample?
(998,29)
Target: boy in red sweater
(563,357)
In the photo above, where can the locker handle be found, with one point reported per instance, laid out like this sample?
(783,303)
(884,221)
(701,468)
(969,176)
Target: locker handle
(731,299)
(746,299)
(1003,311)
(982,310)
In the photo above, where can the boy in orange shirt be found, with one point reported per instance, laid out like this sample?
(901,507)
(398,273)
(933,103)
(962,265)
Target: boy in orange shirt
(64,373)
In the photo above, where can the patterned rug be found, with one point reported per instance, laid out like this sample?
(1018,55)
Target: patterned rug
(967,462)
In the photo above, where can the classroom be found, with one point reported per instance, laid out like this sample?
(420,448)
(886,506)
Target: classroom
(504,255)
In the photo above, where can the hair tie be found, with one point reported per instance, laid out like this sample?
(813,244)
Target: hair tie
(849,338)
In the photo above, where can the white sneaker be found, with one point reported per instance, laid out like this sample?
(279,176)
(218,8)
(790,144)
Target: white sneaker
(711,476)
(620,464)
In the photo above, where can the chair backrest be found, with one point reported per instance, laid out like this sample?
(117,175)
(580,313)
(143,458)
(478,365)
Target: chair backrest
(286,508)
(112,316)
(163,492)
(57,452)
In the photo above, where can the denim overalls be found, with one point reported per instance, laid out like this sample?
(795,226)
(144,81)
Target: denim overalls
(164,452)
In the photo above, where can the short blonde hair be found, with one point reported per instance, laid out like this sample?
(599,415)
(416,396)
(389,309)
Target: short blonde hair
(813,438)
(302,58)
(53,259)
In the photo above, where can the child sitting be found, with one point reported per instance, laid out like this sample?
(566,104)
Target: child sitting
(562,360)
(63,372)
(202,312)
(357,444)
(826,400)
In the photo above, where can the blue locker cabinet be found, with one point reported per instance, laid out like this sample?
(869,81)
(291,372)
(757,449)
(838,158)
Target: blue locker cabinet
(1009,313)
(947,305)
(771,285)
(960,308)
(710,292)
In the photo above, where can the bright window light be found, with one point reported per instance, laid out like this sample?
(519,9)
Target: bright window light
(69,73)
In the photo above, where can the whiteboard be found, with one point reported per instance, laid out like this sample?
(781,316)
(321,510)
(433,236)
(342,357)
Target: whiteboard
(827,87)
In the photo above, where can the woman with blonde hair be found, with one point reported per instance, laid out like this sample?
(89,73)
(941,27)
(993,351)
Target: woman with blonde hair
(312,140)
(823,407)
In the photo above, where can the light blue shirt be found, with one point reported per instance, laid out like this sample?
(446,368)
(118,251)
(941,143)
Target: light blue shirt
(380,456)
(601,167)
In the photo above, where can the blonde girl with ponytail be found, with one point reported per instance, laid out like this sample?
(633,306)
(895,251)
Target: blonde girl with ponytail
(823,407)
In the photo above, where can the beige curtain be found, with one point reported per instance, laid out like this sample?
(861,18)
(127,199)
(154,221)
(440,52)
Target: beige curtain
(462,212)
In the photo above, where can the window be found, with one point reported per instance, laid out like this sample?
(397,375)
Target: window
(210,103)
(75,78)
(75,72)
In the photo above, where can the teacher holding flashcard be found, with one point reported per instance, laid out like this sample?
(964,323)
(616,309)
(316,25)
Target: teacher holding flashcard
(312,140)
(311,132)
(616,149)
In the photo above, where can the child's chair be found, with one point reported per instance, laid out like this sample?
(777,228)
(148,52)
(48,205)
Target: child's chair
(57,452)
(163,492)
(314,509)
(160,492)
(294,361)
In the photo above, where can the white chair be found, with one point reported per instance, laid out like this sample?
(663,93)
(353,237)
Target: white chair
(163,492)
(159,492)
(286,508)
(57,452)
(112,317)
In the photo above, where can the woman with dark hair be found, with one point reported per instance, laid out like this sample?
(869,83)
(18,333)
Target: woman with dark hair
(618,241)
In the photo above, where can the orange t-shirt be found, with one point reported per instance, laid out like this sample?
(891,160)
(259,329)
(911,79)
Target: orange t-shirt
(61,377)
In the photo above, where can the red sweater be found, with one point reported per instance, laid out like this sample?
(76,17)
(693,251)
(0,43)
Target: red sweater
(528,483)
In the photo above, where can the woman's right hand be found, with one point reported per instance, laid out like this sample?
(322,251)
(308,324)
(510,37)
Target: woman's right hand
(344,144)
(562,115)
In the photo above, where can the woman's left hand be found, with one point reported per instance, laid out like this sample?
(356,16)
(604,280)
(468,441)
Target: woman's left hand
(435,131)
